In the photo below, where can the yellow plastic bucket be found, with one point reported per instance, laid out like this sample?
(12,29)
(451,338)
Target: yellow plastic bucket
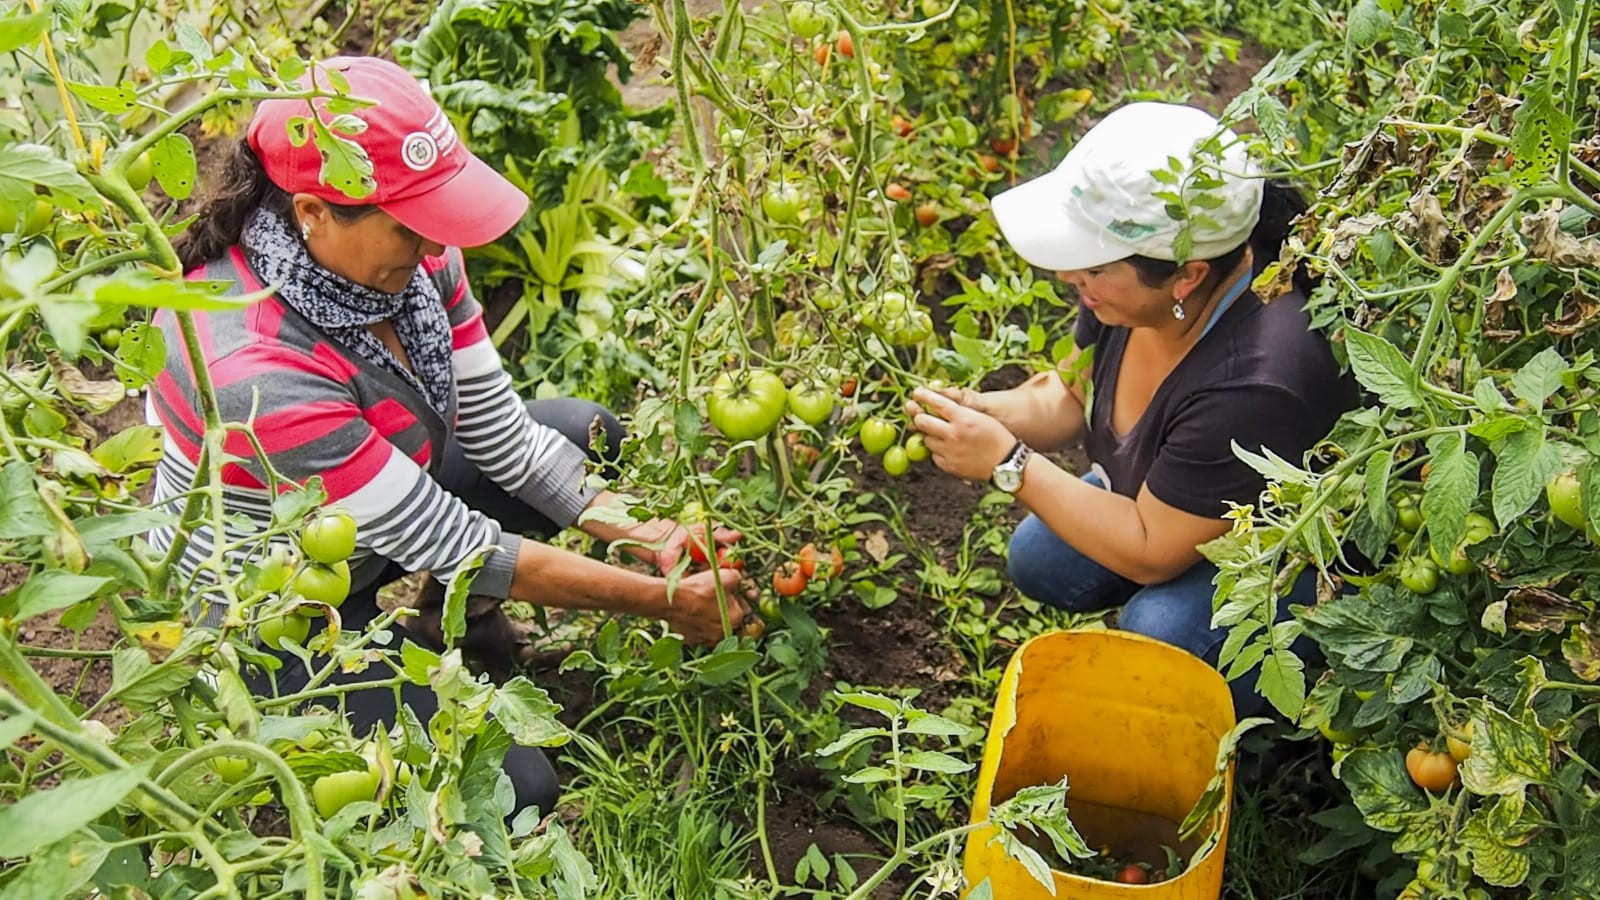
(1134,724)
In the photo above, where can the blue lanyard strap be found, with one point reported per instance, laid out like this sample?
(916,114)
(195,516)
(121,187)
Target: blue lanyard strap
(1233,294)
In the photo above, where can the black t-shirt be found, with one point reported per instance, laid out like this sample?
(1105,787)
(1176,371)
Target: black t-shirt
(1260,377)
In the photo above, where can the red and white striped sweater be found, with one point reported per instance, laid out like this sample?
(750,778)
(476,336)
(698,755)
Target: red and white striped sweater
(323,410)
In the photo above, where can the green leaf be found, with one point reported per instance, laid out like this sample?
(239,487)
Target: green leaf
(1525,462)
(1367,24)
(851,738)
(1507,755)
(22,514)
(1370,633)
(1283,681)
(45,817)
(48,874)
(139,683)
(926,723)
(175,165)
(12,728)
(934,761)
(1540,133)
(116,99)
(1380,788)
(1377,491)
(130,448)
(723,666)
(1382,369)
(53,589)
(24,166)
(528,714)
(20,29)
(878,703)
(1538,378)
(345,164)
(869,775)
(1494,836)
(1448,495)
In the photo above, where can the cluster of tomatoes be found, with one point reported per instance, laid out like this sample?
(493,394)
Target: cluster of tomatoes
(335,790)
(319,574)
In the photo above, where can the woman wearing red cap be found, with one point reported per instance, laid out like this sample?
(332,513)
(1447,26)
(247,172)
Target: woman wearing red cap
(1186,363)
(369,367)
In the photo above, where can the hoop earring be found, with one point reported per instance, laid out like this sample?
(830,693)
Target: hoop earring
(305,231)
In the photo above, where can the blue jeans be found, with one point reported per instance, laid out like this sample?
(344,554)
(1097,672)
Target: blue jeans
(1177,612)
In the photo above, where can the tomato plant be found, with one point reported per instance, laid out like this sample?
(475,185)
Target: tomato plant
(328,584)
(811,401)
(1431,770)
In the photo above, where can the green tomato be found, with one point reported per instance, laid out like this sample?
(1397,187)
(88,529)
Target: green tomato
(1458,564)
(895,461)
(877,434)
(1408,513)
(232,769)
(1419,575)
(1339,735)
(811,401)
(1479,529)
(273,631)
(747,406)
(916,448)
(140,171)
(33,218)
(330,538)
(1565,494)
(806,20)
(322,584)
(111,338)
(275,570)
(337,790)
(782,204)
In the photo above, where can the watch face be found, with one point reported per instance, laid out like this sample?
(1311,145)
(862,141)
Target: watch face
(1008,480)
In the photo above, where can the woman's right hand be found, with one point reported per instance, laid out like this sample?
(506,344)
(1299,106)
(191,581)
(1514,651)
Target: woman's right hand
(692,609)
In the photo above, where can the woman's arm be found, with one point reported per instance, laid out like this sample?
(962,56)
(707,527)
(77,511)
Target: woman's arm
(1143,539)
(1046,411)
(550,576)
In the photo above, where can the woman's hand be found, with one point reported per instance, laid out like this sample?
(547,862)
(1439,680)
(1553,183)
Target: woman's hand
(676,540)
(692,609)
(964,442)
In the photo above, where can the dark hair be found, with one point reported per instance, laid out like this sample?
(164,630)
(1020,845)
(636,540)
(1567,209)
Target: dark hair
(229,200)
(1280,204)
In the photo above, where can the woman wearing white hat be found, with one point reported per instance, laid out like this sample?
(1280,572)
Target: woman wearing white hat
(1186,363)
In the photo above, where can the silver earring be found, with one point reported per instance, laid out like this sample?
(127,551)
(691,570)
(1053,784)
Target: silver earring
(1177,311)
(305,231)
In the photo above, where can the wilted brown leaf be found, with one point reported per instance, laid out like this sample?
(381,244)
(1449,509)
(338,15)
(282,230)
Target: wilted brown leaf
(1581,650)
(1536,609)
(1545,239)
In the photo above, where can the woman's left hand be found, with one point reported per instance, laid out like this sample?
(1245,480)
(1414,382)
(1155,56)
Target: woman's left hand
(676,537)
(964,442)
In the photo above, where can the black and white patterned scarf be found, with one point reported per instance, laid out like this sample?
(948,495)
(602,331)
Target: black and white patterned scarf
(344,309)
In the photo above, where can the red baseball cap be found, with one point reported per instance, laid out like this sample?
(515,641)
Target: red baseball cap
(422,174)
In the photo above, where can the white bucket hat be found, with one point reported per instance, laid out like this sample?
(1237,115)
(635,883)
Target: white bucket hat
(1099,205)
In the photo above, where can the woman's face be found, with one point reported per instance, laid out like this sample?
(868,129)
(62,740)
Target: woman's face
(374,250)
(1117,296)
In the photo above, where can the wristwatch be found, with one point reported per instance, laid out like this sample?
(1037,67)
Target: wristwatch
(1007,475)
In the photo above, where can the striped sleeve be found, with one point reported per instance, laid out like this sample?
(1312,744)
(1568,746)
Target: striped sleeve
(532,462)
(319,430)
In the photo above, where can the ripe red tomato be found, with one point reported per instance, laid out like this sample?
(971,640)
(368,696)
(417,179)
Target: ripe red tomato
(806,559)
(821,54)
(847,45)
(1003,145)
(697,546)
(788,580)
(726,559)
(1431,770)
(747,406)
(927,215)
(1133,873)
(897,192)
(832,566)
(989,163)
(847,388)
(901,126)
(330,538)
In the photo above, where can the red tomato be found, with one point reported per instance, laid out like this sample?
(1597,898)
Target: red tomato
(1133,873)
(847,45)
(927,215)
(1003,146)
(726,560)
(897,192)
(788,580)
(902,126)
(821,54)
(807,560)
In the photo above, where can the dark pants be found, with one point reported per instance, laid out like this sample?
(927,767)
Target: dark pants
(532,776)
(1177,612)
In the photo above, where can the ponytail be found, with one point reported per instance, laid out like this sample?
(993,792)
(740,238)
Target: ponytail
(228,202)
